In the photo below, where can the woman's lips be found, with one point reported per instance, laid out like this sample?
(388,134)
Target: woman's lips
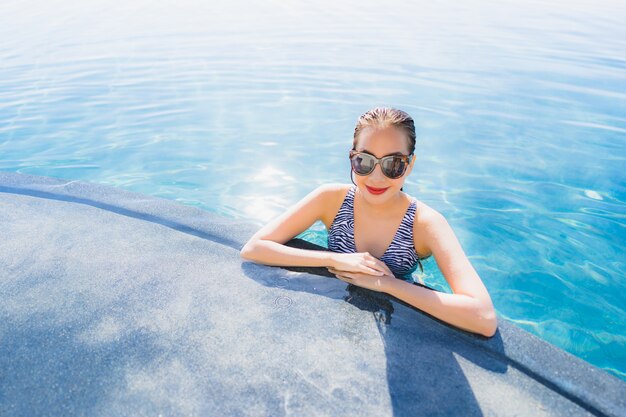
(376,191)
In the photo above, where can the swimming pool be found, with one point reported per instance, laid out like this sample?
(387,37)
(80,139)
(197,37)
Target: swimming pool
(242,109)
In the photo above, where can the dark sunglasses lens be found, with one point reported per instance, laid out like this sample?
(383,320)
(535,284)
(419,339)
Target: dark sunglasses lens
(363,164)
(393,167)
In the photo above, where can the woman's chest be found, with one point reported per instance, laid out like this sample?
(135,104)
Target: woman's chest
(375,235)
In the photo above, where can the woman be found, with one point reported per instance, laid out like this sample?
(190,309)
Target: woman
(377,233)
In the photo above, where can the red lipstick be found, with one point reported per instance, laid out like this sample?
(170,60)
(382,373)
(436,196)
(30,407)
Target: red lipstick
(376,191)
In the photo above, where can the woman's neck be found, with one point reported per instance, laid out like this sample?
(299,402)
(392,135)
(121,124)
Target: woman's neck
(386,208)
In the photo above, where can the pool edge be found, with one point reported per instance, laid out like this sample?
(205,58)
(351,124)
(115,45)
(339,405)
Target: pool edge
(587,385)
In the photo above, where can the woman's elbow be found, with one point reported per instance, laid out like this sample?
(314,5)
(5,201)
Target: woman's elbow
(247,252)
(488,322)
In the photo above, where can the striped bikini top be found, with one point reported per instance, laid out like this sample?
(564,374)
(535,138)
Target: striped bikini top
(400,256)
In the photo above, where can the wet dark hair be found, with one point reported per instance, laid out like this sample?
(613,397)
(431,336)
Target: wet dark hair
(383,117)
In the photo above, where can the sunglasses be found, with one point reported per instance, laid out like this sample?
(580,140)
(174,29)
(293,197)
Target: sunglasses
(393,166)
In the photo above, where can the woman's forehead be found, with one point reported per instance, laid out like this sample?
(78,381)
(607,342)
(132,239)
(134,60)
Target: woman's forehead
(382,142)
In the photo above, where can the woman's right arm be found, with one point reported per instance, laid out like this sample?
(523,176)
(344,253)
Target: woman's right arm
(267,246)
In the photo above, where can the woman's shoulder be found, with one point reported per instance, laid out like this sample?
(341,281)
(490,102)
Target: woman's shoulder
(332,196)
(424,214)
(426,220)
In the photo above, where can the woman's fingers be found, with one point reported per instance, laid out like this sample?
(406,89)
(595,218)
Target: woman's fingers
(380,266)
(374,270)
(343,278)
(375,262)
(338,272)
(371,271)
(363,262)
(342,275)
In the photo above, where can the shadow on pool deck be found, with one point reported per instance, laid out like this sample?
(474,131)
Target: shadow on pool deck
(422,356)
(423,374)
(119,303)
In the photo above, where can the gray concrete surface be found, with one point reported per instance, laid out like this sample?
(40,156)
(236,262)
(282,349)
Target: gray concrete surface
(115,303)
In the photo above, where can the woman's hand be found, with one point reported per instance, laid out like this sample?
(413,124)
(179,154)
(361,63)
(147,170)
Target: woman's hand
(378,283)
(361,262)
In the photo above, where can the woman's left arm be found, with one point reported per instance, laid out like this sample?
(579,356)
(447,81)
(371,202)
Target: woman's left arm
(470,307)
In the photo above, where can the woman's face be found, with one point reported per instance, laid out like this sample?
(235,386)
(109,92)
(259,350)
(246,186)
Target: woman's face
(381,142)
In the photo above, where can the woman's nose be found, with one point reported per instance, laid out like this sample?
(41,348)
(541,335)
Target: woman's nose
(377,174)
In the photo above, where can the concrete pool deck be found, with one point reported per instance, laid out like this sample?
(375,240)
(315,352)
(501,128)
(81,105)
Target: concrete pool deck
(117,303)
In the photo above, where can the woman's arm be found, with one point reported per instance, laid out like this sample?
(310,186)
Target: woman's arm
(460,310)
(267,246)
(470,306)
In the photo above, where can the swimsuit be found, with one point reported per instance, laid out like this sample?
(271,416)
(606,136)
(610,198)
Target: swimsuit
(400,256)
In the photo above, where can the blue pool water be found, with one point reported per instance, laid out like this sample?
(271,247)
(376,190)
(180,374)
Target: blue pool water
(244,108)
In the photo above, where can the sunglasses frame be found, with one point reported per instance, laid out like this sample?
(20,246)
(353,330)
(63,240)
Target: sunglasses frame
(379,161)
